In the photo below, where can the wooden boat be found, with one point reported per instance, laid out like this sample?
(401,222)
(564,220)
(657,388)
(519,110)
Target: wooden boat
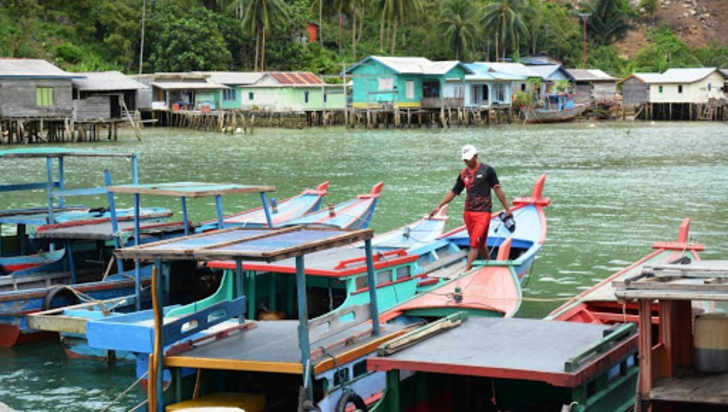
(282,212)
(529,236)
(599,304)
(463,362)
(353,214)
(37,262)
(557,108)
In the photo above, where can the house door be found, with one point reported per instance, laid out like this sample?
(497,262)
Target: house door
(477,99)
(115,107)
(486,95)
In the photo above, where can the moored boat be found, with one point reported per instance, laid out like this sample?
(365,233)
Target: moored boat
(557,108)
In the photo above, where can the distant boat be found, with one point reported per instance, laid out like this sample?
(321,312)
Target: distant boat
(557,108)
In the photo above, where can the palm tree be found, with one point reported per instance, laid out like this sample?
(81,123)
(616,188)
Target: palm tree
(458,24)
(399,11)
(608,20)
(258,18)
(506,17)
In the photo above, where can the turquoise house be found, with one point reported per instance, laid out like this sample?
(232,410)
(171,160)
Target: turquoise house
(407,82)
(231,98)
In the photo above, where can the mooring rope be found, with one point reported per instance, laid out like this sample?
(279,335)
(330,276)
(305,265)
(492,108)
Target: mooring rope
(122,394)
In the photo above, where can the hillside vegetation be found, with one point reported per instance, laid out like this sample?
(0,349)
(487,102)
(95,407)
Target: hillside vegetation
(187,35)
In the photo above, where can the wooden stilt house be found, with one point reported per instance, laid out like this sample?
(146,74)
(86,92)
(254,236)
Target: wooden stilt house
(104,96)
(34,89)
(593,86)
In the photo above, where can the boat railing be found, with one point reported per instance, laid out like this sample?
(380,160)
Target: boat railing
(337,321)
(195,322)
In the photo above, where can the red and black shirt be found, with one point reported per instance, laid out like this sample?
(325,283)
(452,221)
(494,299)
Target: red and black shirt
(478,183)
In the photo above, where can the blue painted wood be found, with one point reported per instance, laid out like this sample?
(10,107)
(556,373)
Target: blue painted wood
(372,290)
(303,322)
(159,315)
(49,188)
(202,320)
(134,169)
(185,219)
(71,266)
(266,210)
(61,180)
(220,215)
(114,223)
(86,191)
(26,186)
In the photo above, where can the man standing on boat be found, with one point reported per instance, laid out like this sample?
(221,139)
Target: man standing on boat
(478,178)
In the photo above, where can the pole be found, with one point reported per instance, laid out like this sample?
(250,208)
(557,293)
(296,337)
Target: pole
(584,17)
(141,46)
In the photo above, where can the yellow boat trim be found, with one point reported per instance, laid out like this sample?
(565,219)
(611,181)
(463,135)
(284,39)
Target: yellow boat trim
(233,364)
(355,353)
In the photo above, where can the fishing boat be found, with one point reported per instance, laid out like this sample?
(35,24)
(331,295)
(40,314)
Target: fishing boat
(599,304)
(308,201)
(480,363)
(37,262)
(527,239)
(557,108)
(353,214)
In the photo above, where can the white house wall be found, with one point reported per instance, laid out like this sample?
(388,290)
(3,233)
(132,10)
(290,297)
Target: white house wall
(468,94)
(692,92)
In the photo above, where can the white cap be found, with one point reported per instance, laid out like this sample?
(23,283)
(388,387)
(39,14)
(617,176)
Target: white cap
(468,151)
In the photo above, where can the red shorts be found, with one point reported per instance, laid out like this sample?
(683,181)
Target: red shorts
(477,224)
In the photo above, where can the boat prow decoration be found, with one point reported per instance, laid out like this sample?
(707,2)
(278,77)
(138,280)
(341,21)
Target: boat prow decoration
(683,241)
(536,197)
(374,193)
(320,190)
(352,214)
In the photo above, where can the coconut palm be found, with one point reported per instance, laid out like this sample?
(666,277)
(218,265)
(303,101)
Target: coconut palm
(258,18)
(608,19)
(458,25)
(396,13)
(506,17)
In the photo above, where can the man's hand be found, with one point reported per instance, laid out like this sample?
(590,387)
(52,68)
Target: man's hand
(434,211)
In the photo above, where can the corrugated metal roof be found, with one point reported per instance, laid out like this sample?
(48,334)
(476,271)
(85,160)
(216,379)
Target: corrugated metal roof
(482,71)
(234,78)
(545,71)
(687,75)
(188,86)
(103,81)
(295,78)
(411,65)
(725,73)
(516,69)
(584,75)
(10,67)
(650,77)
(539,60)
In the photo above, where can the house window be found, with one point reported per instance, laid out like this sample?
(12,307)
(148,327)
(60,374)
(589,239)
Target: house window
(44,96)
(385,83)
(679,88)
(659,89)
(228,94)
(410,89)
(523,87)
(431,88)
(500,92)
(305,96)
(251,96)
(708,86)
(326,97)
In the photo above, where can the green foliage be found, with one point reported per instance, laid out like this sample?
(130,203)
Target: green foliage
(713,55)
(607,59)
(609,20)
(459,25)
(664,51)
(522,99)
(507,20)
(190,44)
(562,85)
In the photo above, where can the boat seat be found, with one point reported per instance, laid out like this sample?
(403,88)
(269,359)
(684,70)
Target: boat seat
(222,401)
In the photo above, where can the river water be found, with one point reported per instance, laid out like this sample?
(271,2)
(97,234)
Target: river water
(615,188)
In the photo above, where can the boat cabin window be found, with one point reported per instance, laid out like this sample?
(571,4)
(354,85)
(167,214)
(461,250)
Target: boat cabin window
(362,282)
(341,376)
(404,272)
(384,276)
(360,368)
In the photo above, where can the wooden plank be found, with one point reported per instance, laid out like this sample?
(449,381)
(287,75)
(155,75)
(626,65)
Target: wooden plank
(670,294)
(335,324)
(703,389)
(168,189)
(705,287)
(294,368)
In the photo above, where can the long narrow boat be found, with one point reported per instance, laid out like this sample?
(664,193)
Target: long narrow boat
(556,108)
(599,304)
(353,214)
(37,261)
(283,212)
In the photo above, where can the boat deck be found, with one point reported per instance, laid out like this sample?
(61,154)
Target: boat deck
(272,346)
(528,349)
(103,231)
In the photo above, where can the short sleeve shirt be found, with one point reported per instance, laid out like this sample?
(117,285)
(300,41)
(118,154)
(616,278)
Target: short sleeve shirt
(478,184)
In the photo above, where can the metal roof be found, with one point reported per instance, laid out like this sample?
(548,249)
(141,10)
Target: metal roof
(590,75)
(539,60)
(724,72)
(33,68)
(481,71)
(295,78)
(516,69)
(234,78)
(545,71)
(687,75)
(103,81)
(411,65)
(649,77)
(188,86)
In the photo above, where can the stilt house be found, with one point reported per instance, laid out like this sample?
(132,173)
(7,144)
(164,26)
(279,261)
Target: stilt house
(232,96)
(104,96)
(181,91)
(291,92)
(551,75)
(34,89)
(381,81)
(486,88)
(593,86)
(520,72)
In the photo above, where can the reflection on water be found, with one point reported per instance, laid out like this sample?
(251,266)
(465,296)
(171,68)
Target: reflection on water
(616,188)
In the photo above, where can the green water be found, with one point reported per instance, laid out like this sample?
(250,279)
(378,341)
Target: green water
(615,187)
